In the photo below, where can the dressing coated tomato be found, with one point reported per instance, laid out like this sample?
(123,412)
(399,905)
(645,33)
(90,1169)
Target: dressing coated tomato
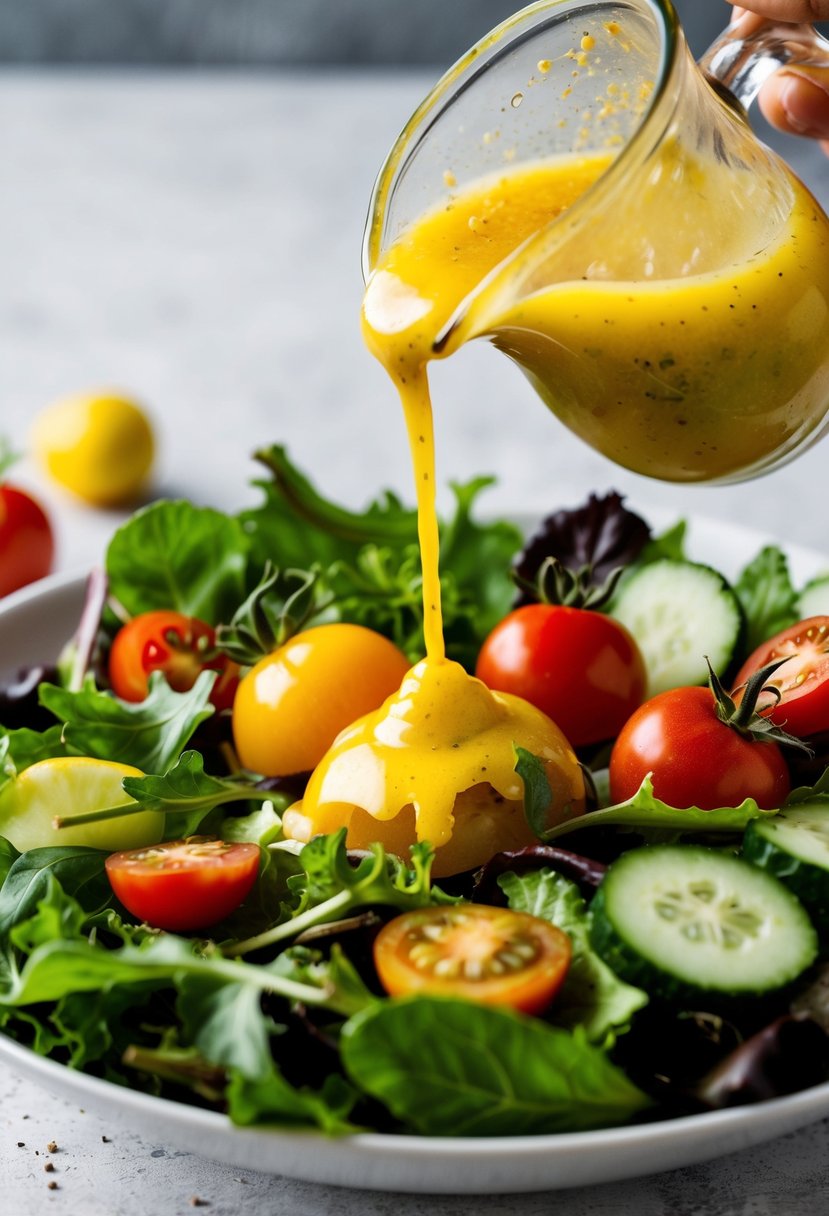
(290,707)
(581,668)
(179,646)
(492,955)
(184,884)
(802,681)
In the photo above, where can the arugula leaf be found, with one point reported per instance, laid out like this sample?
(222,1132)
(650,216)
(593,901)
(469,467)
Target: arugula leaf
(296,526)
(331,887)
(58,967)
(271,1099)
(176,555)
(79,872)
(592,995)
(186,794)
(643,810)
(453,1068)
(768,598)
(148,734)
(338,980)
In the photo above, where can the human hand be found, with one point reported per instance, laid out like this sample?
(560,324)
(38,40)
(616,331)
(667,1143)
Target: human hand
(795,99)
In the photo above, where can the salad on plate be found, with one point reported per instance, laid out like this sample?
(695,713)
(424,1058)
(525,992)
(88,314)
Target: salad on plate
(635,930)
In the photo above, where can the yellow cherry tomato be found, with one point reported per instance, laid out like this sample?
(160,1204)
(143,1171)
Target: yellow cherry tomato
(98,446)
(290,707)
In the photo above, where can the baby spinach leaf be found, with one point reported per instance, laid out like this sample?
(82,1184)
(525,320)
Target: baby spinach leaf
(271,1099)
(226,1023)
(176,555)
(592,995)
(148,734)
(78,871)
(768,598)
(452,1068)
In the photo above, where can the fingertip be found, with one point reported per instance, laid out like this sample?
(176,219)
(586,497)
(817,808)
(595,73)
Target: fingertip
(797,102)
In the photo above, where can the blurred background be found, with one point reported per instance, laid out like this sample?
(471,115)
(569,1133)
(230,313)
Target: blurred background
(269,32)
(185,184)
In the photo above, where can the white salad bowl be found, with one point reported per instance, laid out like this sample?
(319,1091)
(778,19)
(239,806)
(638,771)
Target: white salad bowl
(34,625)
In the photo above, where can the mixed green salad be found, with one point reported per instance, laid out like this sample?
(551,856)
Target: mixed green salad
(660,954)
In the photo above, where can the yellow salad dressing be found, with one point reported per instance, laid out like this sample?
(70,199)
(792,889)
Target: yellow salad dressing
(438,756)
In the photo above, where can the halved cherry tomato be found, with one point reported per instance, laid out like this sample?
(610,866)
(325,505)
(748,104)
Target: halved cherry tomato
(27,544)
(803,680)
(581,668)
(492,955)
(695,759)
(290,707)
(180,646)
(184,884)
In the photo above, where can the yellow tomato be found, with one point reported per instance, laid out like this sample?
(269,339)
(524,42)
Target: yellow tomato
(290,707)
(98,446)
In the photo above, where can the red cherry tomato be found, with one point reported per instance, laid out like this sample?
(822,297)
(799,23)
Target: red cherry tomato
(695,759)
(180,646)
(803,680)
(583,669)
(184,884)
(492,955)
(27,546)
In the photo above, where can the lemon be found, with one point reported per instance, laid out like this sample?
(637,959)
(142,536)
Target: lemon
(74,785)
(98,446)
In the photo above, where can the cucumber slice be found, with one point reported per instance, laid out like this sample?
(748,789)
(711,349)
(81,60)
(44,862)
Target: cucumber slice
(685,922)
(814,598)
(679,612)
(794,846)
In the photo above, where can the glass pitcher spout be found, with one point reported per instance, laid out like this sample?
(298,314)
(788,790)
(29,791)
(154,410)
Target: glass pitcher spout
(576,192)
(742,59)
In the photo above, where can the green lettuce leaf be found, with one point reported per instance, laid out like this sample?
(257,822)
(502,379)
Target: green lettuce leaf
(452,1068)
(644,810)
(592,995)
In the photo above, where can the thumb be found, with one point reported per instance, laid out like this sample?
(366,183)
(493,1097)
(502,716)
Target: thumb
(796,99)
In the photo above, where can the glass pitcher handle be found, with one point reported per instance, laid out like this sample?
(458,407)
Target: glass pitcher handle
(737,64)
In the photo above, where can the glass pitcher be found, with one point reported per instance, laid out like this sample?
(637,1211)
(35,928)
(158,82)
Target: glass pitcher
(676,316)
